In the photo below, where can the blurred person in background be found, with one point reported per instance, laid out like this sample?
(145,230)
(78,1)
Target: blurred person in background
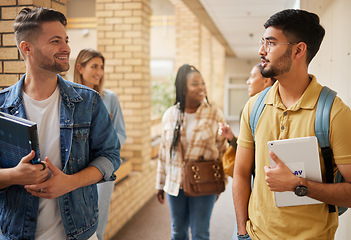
(89,71)
(193,123)
(256,83)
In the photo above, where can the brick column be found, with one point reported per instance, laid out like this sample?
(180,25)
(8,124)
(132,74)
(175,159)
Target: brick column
(123,30)
(218,73)
(206,60)
(188,36)
(196,45)
(11,63)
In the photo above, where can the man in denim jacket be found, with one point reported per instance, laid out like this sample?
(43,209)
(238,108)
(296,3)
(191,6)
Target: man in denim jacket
(56,200)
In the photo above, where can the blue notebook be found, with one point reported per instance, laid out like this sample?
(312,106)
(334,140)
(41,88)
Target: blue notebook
(18,137)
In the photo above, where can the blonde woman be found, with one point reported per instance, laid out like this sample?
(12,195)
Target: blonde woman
(89,71)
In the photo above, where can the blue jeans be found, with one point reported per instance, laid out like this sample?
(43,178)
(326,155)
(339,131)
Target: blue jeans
(193,212)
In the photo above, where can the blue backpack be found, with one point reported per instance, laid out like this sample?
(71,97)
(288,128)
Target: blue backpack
(325,101)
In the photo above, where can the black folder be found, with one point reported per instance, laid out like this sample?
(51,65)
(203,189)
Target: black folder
(18,136)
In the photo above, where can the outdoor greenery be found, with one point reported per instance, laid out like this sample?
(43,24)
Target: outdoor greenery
(162,96)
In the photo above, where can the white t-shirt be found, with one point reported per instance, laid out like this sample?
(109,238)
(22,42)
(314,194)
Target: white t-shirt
(46,114)
(190,124)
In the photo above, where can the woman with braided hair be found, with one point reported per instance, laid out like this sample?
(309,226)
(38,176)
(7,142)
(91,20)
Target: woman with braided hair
(189,131)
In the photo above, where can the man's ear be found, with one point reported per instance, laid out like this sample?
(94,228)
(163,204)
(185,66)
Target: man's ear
(300,50)
(25,47)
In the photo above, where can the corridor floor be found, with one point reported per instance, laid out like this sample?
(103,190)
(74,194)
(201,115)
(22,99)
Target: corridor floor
(152,222)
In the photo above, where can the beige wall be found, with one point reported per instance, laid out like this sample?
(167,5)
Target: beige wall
(332,65)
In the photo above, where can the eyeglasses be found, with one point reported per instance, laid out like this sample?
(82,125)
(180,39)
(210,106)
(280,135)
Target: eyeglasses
(267,44)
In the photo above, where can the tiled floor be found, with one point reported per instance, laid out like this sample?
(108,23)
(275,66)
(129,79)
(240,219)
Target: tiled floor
(152,222)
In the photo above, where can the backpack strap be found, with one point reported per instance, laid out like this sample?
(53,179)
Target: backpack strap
(325,101)
(257,110)
(255,116)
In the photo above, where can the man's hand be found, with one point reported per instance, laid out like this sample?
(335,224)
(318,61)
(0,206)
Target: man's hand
(280,178)
(27,173)
(160,194)
(58,184)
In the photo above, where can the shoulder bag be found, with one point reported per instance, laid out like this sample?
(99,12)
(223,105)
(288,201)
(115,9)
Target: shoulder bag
(202,177)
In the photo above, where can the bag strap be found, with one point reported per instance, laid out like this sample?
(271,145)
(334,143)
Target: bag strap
(257,110)
(325,101)
(255,114)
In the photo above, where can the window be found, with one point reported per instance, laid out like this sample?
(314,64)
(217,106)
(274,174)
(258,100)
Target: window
(235,97)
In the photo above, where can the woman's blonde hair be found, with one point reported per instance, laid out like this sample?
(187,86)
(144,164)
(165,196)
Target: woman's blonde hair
(83,58)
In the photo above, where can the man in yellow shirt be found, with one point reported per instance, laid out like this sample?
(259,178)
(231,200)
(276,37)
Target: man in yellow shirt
(291,40)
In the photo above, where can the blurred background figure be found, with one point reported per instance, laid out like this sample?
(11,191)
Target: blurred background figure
(89,71)
(257,82)
(189,129)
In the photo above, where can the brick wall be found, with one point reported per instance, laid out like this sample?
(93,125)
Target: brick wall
(129,196)
(206,59)
(123,32)
(11,63)
(218,73)
(197,46)
(188,33)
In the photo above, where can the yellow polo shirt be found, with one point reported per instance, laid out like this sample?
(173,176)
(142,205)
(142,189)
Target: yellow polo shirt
(266,221)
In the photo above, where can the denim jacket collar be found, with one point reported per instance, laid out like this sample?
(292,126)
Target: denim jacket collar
(14,98)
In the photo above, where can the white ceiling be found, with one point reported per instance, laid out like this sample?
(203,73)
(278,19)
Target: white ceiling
(241,21)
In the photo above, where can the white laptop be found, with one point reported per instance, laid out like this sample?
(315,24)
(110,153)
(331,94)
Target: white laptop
(301,155)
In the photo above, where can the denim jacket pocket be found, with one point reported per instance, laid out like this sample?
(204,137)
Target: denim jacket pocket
(80,144)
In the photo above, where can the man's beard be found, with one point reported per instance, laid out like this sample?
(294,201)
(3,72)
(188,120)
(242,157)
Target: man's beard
(283,66)
(50,64)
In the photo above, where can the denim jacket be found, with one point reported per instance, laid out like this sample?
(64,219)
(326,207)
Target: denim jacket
(87,139)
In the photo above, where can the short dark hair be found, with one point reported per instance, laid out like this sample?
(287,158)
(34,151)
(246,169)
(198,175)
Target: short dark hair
(299,26)
(28,22)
